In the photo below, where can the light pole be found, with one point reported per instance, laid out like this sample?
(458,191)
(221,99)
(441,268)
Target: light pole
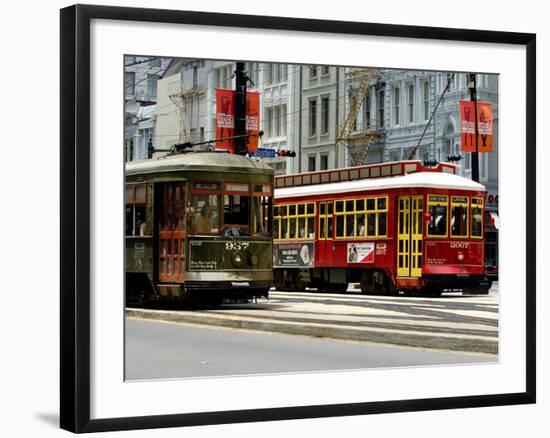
(472,86)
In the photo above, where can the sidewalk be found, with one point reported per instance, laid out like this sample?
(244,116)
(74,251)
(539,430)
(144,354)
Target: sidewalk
(451,322)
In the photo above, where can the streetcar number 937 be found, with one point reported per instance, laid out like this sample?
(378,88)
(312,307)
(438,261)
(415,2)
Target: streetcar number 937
(236,246)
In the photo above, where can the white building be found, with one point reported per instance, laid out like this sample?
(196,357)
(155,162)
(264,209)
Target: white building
(198,79)
(319,99)
(141,74)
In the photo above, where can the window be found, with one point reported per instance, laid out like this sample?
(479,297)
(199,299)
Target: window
(366,110)
(311,163)
(295,221)
(324,161)
(284,72)
(325,70)
(437,208)
(130,83)
(136,200)
(448,140)
(262,210)
(396,97)
(477,218)
(380,108)
(312,117)
(283,120)
(152,86)
(459,216)
(204,210)
(275,74)
(195,77)
(324,115)
(276,121)
(312,71)
(236,210)
(361,218)
(426,100)
(411,103)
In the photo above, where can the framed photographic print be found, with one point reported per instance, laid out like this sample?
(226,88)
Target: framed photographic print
(268,218)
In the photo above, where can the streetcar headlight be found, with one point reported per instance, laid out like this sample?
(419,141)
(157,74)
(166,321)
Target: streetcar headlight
(460,256)
(237,258)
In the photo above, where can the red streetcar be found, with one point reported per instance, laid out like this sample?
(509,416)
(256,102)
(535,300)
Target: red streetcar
(391,227)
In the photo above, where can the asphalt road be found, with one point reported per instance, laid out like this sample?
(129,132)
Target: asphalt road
(158,350)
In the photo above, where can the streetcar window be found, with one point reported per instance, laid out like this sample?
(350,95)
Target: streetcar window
(459,216)
(477,218)
(261,212)
(292,223)
(310,230)
(360,225)
(276,228)
(298,222)
(361,217)
(205,216)
(371,224)
(284,228)
(438,220)
(135,220)
(350,228)
(339,226)
(236,213)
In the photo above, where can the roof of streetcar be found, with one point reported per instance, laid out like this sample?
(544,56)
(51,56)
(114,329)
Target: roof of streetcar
(433,180)
(198,161)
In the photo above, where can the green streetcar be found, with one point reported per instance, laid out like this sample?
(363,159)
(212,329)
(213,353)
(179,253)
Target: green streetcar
(198,229)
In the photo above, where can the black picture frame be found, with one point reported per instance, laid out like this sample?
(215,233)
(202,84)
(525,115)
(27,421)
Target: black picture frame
(75,217)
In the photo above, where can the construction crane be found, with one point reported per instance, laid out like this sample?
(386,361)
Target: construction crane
(358,139)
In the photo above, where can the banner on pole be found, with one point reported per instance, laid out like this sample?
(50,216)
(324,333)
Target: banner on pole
(252,119)
(225,117)
(484,126)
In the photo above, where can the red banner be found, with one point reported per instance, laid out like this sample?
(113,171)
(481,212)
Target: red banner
(484,126)
(252,119)
(225,117)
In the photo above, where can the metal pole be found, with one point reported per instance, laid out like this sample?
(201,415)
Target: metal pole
(240,110)
(475,155)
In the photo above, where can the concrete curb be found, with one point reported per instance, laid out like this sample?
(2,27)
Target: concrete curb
(463,343)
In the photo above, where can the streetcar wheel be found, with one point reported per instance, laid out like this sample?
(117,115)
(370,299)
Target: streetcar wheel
(279,279)
(338,287)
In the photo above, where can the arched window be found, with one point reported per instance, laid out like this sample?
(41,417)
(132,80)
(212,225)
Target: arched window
(448,140)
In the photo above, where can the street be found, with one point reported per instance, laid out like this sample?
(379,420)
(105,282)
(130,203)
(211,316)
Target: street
(158,350)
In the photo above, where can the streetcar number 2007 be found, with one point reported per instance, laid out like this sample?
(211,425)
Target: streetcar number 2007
(459,245)
(236,246)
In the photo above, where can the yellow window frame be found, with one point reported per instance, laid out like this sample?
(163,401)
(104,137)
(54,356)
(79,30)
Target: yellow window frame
(480,205)
(436,203)
(358,212)
(294,220)
(466,205)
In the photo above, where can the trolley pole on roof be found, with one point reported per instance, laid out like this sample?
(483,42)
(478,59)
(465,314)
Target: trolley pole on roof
(240,110)
(472,85)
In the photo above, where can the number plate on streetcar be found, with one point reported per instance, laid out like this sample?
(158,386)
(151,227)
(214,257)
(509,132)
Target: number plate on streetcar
(240,284)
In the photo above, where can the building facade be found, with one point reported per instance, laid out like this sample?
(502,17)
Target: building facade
(141,75)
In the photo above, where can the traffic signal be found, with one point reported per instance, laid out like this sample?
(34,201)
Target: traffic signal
(454,157)
(430,163)
(283,153)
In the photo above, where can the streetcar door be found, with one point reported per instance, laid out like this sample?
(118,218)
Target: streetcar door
(409,236)
(171,235)
(323,250)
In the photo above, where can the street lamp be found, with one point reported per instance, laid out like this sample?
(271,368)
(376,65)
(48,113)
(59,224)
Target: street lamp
(472,86)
